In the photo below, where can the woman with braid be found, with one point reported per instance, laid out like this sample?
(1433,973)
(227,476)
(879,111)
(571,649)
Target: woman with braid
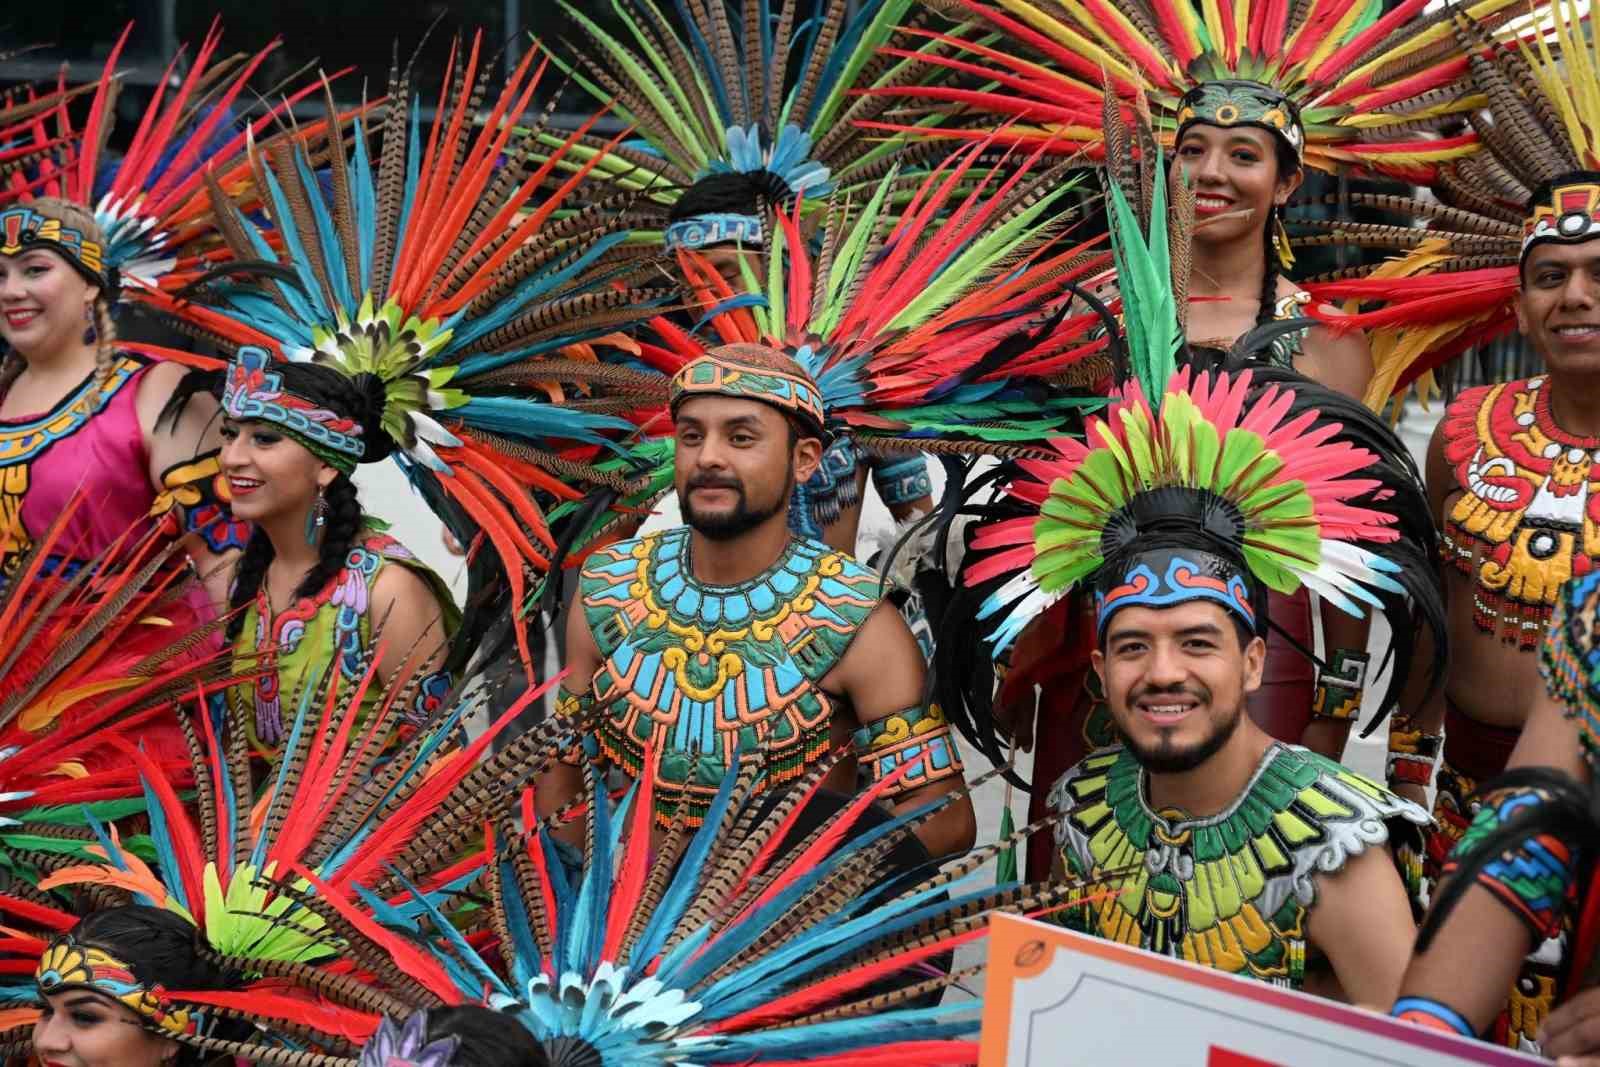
(319,579)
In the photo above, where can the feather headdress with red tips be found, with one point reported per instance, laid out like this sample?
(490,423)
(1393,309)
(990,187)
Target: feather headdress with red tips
(444,271)
(151,201)
(1341,82)
(788,928)
(1215,486)
(1536,180)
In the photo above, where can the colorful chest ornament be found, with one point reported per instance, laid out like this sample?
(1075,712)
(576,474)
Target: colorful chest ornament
(700,673)
(1231,891)
(1526,519)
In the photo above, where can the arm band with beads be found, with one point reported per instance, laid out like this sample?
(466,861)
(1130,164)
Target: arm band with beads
(903,480)
(1537,880)
(196,493)
(920,735)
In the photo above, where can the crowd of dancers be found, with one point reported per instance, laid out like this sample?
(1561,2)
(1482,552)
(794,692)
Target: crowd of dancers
(270,794)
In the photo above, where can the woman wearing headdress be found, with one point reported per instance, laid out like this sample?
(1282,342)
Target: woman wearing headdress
(79,411)
(319,580)
(1252,93)
(104,984)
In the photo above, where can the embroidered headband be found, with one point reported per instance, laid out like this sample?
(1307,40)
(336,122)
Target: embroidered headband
(744,371)
(1235,102)
(22,229)
(1570,215)
(702,231)
(1165,578)
(67,964)
(255,391)
(408,1046)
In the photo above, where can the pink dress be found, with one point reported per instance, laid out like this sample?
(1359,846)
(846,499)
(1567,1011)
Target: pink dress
(90,445)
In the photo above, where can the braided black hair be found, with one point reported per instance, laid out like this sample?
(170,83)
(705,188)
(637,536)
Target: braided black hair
(339,533)
(1288,163)
(488,1038)
(160,947)
(360,397)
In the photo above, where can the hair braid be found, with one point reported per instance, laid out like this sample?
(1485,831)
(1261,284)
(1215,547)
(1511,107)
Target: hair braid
(1268,312)
(339,532)
(105,344)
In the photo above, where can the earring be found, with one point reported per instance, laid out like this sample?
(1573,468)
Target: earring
(90,335)
(317,517)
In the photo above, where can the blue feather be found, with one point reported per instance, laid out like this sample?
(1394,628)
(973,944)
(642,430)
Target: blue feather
(681,890)
(366,207)
(332,250)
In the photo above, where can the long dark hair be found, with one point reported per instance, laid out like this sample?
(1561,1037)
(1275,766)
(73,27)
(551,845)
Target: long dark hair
(160,947)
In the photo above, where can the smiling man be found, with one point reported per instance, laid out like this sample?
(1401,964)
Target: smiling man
(730,637)
(1205,838)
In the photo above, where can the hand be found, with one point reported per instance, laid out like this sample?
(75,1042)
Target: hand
(1571,1032)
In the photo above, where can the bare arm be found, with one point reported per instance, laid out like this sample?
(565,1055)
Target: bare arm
(1477,951)
(194,433)
(563,782)
(1362,922)
(412,618)
(1342,361)
(881,675)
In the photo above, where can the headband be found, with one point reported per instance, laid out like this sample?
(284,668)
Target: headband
(1569,216)
(408,1046)
(701,231)
(1165,578)
(255,391)
(1235,102)
(68,964)
(722,372)
(22,229)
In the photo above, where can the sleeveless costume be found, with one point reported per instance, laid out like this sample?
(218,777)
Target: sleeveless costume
(702,674)
(330,629)
(1524,523)
(1232,891)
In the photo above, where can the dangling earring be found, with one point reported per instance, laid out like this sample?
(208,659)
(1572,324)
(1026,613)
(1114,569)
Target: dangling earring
(90,335)
(1280,239)
(317,517)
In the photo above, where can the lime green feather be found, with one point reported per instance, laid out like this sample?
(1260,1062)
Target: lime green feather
(1144,281)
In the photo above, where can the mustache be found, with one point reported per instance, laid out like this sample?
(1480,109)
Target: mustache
(1199,693)
(714,481)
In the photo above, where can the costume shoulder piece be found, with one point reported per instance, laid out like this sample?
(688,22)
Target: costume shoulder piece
(1231,891)
(1525,521)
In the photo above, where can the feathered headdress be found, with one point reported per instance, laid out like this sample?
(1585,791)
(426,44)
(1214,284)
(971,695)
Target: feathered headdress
(790,928)
(1535,180)
(938,325)
(151,201)
(1339,81)
(1213,485)
(439,276)
(741,110)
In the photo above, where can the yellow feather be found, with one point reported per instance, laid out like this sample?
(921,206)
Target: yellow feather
(1065,35)
(39,716)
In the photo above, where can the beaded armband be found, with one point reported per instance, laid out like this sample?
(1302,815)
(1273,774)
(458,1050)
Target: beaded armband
(196,492)
(903,480)
(575,708)
(1536,880)
(920,735)
(1412,753)
(1424,1011)
(1340,686)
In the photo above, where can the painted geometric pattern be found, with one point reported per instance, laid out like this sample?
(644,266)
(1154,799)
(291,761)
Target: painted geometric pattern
(702,673)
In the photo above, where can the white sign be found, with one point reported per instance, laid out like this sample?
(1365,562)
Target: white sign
(1055,998)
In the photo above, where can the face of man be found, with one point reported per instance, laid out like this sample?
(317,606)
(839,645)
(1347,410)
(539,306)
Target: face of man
(1176,681)
(736,463)
(1558,305)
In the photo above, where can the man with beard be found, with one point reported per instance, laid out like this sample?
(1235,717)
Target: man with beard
(1211,840)
(731,638)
